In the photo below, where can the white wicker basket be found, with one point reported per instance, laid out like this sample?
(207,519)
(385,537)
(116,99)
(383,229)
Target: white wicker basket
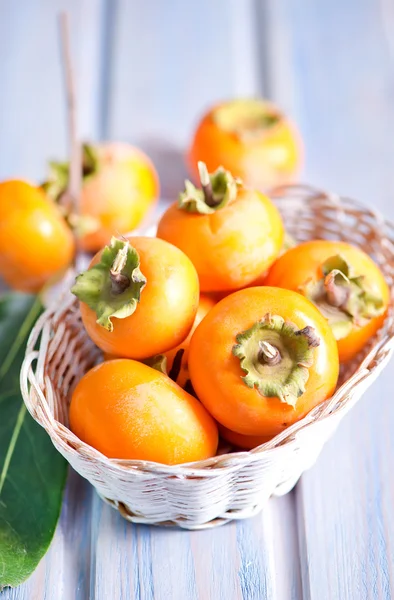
(230,486)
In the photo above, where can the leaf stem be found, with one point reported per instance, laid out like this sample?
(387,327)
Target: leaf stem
(12,444)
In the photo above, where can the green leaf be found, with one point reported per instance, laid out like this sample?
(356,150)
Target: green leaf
(32,472)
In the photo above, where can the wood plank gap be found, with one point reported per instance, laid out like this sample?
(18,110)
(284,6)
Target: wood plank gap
(109,12)
(263,48)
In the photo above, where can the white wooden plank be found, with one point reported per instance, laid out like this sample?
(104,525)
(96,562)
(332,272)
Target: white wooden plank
(169,62)
(172,60)
(334,73)
(32,110)
(251,560)
(32,129)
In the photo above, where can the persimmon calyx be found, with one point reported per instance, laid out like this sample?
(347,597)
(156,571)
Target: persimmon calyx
(56,187)
(345,301)
(112,287)
(157,362)
(248,119)
(218,189)
(276,356)
(160,363)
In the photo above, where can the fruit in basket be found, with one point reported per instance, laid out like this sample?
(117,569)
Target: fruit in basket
(35,242)
(245,442)
(252,139)
(230,233)
(261,359)
(128,410)
(120,185)
(343,282)
(139,297)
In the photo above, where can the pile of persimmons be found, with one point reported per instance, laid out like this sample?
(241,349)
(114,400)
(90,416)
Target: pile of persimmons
(219,325)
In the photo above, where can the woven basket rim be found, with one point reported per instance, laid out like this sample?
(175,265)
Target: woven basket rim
(232,460)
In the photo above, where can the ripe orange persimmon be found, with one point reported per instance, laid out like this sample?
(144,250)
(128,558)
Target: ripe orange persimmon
(247,442)
(128,410)
(343,282)
(139,297)
(230,233)
(120,185)
(35,242)
(182,370)
(252,139)
(261,359)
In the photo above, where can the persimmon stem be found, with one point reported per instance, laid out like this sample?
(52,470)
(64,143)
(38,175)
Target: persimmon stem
(206,184)
(269,354)
(119,281)
(337,295)
(72,195)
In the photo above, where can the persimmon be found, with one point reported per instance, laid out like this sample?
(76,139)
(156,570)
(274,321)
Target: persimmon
(128,410)
(343,282)
(230,233)
(35,242)
(252,139)
(261,359)
(120,185)
(246,442)
(139,297)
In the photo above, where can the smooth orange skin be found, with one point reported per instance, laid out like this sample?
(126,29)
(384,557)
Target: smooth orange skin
(274,159)
(127,410)
(303,262)
(246,442)
(167,308)
(231,246)
(216,373)
(204,306)
(35,242)
(120,194)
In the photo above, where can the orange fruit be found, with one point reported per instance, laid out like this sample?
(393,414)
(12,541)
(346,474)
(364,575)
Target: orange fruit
(156,309)
(261,359)
(322,270)
(230,243)
(252,139)
(35,242)
(120,185)
(127,410)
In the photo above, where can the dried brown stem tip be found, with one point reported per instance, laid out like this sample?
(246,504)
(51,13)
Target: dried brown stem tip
(119,282)
(269,354)
(337,295)
(310,334)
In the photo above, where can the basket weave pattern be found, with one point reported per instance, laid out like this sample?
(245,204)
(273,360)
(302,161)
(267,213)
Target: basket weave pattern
(229,486)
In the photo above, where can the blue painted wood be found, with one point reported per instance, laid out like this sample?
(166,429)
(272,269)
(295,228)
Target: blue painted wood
(146,70)
(32,111)
(333,71)
(170,61)
(32,129)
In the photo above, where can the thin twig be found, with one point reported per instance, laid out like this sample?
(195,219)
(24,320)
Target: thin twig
(75,176)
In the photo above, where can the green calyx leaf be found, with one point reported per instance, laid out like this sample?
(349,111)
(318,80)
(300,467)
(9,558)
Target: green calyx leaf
(276,357)
(57,182)
(112,287)
(248,119)
(344,300)
(218,189)
(157,362)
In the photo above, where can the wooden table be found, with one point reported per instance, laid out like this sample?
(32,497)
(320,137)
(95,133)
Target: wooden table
(146,69)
